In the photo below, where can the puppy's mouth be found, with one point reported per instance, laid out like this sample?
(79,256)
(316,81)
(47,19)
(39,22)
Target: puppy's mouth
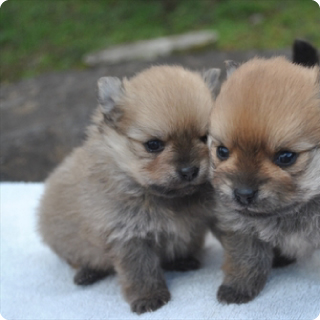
(173,192)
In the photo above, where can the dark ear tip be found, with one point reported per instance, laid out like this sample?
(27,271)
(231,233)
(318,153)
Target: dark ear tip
(230,63)
(298,42)
(301,45)
(231,66)
(304,53)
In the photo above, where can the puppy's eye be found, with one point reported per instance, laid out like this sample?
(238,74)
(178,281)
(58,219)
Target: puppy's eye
(154,146)
(204,139)
(222,153)
(285,158)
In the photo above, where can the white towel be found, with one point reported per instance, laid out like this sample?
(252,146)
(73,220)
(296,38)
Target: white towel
(36,284)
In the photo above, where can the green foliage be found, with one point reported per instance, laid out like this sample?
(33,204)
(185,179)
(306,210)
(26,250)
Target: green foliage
(38,36)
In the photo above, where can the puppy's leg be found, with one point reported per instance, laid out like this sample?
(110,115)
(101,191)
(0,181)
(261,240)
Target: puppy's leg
(247,264)
(86,276)
(280,260)
(141,275)
(182,264)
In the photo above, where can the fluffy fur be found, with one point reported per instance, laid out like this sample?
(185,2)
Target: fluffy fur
(265,108)
(112,205)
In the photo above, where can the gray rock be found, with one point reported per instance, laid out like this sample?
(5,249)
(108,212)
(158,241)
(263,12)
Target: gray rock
(151,49)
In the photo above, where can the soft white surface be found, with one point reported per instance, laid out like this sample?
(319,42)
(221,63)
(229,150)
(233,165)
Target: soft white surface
(36,284)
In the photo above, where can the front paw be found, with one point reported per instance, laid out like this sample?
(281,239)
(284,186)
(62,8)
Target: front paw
(230,294)
(150,303)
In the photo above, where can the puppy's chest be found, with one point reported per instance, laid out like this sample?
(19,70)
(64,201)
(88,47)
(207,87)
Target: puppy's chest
(297,235)
(162,224)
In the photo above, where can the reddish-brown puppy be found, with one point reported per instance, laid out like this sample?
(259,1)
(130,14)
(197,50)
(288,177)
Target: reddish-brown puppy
(265,149)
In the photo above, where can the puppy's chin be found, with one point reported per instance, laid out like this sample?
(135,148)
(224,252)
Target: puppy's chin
(167,192)
(256,214)
(267,211)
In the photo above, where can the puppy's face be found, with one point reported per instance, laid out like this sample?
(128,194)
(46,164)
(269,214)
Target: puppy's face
(265,138)
(158,127)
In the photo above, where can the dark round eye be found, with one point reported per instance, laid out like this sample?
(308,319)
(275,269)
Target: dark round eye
(204,139)
(285,158)
(154,145)
(222,153)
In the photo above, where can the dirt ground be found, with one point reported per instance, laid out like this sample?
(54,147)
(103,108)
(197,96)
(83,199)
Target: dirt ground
(43,118)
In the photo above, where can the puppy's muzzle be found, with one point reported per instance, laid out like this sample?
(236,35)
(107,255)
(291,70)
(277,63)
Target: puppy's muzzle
(245,196)
(188,173)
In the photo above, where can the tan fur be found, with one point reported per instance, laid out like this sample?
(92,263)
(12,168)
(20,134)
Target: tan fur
(100,201)
(266,107)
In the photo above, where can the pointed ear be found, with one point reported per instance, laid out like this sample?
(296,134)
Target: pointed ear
(231,67)
(110,91)
(211,77)
(304,53)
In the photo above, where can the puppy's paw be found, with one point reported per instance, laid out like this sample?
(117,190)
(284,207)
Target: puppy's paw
(151,303)
(229,294)
(185,264)
(87,276)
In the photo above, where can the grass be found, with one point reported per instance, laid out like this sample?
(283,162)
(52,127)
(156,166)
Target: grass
(38,36)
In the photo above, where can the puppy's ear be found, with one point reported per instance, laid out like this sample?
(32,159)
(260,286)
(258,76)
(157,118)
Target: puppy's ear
(231,67)
(304,53)
(110,91)
(211,77)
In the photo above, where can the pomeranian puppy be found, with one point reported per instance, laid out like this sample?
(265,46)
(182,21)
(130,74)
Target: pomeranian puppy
(135,196)
(265,150)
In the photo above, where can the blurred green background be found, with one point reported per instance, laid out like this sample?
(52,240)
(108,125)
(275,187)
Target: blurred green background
(38,36)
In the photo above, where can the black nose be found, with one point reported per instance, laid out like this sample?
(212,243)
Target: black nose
(188,173)
(245,195)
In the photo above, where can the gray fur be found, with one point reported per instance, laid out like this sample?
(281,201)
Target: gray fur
(109,92)
(231,67)
(295,233)
(211,77)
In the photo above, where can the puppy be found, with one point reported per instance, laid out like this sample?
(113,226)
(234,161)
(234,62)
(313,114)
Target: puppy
(135,196)
(265,150)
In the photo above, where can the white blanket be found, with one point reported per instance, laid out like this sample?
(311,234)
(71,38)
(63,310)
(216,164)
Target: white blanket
(36,284)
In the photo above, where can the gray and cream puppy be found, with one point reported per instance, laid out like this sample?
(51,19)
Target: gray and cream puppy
(135,196)
(265,134)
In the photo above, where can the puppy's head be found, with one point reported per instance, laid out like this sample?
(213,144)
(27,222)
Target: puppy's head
(265,133)
(156,124)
